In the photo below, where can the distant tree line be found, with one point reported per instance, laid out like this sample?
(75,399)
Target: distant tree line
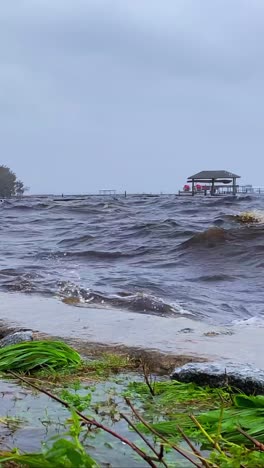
(9,184)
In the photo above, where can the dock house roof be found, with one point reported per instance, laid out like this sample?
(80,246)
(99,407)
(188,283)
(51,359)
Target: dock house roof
(209,175)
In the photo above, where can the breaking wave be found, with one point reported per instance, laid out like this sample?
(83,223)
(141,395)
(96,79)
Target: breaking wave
(137,302)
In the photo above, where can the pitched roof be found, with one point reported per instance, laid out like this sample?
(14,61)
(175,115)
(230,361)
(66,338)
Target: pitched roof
(214,175)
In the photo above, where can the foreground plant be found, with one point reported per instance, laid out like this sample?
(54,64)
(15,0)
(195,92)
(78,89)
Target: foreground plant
(63,453)
(232,434)
(35,355)
(247,412)
(225,430)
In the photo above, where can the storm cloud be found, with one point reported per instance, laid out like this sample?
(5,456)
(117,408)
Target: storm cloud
(130,95)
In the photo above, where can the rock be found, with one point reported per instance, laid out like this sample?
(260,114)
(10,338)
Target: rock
(16,337)
(186,330)
(245,378)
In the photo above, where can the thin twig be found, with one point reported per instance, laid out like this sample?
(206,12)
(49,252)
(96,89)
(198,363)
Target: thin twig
(34,379)
(90,422)
(203,431)
(167,442)
(159,455)
(193,448)
(220,421)
(257,444)
(146,377)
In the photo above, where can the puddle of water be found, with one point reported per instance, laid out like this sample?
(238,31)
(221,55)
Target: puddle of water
(40,418)
(32,410)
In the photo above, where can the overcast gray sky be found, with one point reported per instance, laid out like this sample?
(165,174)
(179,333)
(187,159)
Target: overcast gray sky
(130,94)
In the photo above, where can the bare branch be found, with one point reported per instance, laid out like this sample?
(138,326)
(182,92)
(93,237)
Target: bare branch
(159,455)
(167,442)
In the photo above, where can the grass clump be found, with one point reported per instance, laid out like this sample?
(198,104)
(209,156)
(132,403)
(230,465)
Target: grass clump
(109,364)
(89,370)
(231,435)
(77,401)
(35,355)
(247,412)
(171,395)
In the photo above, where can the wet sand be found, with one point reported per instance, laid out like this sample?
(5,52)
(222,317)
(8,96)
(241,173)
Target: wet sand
(240,343)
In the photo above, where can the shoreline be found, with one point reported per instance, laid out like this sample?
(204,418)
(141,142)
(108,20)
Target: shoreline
(104,329)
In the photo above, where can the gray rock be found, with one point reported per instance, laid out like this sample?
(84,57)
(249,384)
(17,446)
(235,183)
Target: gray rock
(186,330)
(16,337)
(243,377)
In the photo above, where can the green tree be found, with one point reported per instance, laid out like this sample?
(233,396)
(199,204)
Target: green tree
(19,186)
(9,184)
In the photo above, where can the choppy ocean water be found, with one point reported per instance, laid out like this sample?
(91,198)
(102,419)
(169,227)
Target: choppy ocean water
(163,255)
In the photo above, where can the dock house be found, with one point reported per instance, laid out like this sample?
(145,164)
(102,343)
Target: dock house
(213,183)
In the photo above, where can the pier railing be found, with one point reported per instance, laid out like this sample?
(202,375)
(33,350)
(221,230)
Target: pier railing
(223,190)
(255,190)
(112,193)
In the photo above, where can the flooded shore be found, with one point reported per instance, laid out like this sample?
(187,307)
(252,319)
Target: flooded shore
(30,418)
(91,327)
